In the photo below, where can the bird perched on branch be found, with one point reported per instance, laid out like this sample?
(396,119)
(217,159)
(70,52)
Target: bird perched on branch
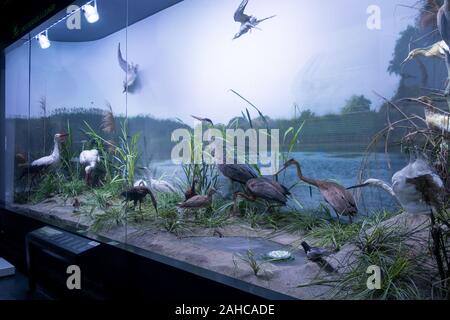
(435,118)
(49,162)
(199,201)
(130,69)
(247,22)
(137,194)
(89,159)
(436,50)
(416,187)
(337,196)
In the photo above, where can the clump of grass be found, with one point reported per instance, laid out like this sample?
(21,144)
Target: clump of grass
(47,187)
(109,219)
(405,272)
(330,233)
(250,259)
(72,188)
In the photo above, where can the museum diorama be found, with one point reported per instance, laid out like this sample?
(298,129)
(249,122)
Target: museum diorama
(296,146)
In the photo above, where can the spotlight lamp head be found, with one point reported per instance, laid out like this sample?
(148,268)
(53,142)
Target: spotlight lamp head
(91,12)
(44,42)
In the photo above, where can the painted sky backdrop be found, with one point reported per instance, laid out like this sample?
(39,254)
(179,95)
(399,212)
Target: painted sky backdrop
(314,53)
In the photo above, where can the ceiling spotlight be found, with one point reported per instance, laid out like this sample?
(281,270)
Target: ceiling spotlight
(91,12)
(44,42)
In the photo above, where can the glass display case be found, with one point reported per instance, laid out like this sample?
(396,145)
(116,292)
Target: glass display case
(268,141)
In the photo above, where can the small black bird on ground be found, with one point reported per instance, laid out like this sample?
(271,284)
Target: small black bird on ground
(313,253)
(137,194)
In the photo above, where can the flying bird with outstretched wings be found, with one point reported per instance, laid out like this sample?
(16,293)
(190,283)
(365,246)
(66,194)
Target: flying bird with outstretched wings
(130,69)
(247,22)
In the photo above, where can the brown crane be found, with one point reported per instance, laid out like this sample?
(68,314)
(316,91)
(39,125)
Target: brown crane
(337,196)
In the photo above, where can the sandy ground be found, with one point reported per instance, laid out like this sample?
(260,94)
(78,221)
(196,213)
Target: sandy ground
(281,277)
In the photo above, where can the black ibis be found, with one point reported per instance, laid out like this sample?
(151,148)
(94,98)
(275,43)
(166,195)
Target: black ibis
(137,194)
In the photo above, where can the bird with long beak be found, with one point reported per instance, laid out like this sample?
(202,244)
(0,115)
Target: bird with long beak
(137,194)
(263,188)
(199,201)
(204,120)
(49,162)
(247,22)
(416,187)
(130,69)
(337,196)
(436,50)
(435,118)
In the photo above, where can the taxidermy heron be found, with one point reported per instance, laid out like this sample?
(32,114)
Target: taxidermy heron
(416,187)
(436,50)
(89,159)
(199,201)
(130,69)
(337,196)
(435,118)
(247,22)
(239,173)
(263,188)
(49,162)
(137,194)
(158,186)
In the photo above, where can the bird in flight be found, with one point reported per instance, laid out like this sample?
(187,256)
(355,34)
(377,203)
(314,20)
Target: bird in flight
(247,22)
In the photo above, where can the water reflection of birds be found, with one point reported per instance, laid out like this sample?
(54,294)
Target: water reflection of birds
(90,159)
(337,196)
(130,69)
(411,186)
(263,188)
(247,22)
(435,118)
(436,50)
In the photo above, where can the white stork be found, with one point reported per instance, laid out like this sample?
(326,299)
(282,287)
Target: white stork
(52,161)
(89,159)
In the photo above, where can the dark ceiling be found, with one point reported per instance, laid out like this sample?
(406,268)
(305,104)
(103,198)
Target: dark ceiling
(113,17)
(19,17)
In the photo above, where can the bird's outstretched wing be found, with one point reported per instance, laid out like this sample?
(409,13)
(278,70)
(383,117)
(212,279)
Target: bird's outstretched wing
(123,64)
(239,15)
(261,20)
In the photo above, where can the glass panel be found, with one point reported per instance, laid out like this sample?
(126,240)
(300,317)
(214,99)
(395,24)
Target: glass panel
(17,126)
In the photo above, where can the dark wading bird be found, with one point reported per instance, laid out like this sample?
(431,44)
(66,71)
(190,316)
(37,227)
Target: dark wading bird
(337,196)
(199,202)
(239,173)
(443,23)
(130,69)
(416,187)
(207,120)
(190,193)
(247,22)
(137,194)
(263,188)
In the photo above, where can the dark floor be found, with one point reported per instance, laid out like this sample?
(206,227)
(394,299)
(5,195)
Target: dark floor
(16,288)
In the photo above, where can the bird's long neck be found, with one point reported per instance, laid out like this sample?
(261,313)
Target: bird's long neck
(56,151)
(303,178)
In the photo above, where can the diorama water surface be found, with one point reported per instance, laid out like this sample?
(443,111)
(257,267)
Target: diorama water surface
(347,169)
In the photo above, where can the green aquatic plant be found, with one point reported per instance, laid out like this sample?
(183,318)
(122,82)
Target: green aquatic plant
(71,188)
(46,188)
(332,233)
(112,217)
(127,153)
(251,260)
